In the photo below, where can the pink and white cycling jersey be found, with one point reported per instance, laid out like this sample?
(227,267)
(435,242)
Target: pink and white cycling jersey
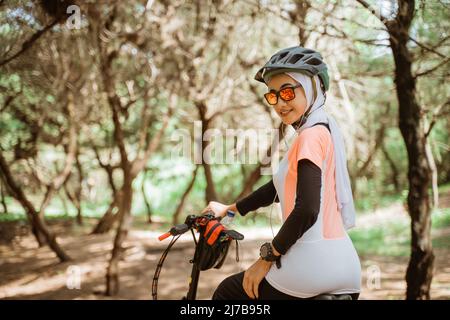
(324,259)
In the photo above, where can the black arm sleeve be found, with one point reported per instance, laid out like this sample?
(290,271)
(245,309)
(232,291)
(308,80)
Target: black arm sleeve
(306,209)
(260,198)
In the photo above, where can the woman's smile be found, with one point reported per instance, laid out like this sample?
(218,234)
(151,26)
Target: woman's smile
(284,113)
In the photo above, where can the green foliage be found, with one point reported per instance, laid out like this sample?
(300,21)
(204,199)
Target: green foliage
(393,238)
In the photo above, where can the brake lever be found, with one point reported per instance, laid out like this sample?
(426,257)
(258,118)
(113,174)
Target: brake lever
(233,234)
(174,231)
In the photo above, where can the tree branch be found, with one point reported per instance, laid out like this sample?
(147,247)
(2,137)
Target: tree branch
(380,17)
(440,64)
(427,48)
(437,114)
(109,168)
(29,42)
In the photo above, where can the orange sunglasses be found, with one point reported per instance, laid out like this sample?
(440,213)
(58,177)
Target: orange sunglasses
(287,94)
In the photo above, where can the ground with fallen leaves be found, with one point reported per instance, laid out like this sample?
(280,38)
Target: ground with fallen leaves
(29,272)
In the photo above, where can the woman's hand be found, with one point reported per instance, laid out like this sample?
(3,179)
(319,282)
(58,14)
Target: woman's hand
(253,277)
(219,209)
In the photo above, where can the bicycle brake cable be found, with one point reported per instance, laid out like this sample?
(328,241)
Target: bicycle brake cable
(159,267)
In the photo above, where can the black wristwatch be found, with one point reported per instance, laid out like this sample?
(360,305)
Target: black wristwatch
(266,253)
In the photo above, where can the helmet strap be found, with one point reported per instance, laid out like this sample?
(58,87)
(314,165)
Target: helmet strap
(305,115)
(314,90)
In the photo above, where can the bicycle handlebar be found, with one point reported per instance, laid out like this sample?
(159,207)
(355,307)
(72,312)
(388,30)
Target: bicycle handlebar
(176,230)
(193,221)
(164,236)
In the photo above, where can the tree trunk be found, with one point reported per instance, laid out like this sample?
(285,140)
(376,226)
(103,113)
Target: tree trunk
(41,213)
(394,170)
(250,181)
(434,174)
(107,221)
(64,203)
(40,237)
(32,215)
(298,18)
(420,268)
(109,218)
(79,214)
(75,202)
(79,189)
(210,192)
(147,203)
(125,219)
(362,171)
(180,206)
(3,197)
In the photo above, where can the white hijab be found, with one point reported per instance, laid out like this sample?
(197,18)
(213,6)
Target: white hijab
(318,114)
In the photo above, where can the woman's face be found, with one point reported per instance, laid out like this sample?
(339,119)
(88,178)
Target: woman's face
(289,111)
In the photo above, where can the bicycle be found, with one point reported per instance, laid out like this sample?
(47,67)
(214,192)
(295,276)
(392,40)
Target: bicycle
(210,251)
(211,248)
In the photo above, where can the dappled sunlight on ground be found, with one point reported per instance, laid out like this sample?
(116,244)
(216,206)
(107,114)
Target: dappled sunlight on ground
(29,272)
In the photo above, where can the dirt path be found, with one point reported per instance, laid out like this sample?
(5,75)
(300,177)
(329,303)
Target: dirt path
(28,272)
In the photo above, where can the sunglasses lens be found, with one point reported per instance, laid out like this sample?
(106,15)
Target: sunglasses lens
(271,98)
(287,94)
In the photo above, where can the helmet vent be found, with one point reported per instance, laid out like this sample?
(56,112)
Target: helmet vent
(314,62)
(295,58)
(281,57)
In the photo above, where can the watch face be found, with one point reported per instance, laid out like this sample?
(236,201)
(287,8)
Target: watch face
(264,251)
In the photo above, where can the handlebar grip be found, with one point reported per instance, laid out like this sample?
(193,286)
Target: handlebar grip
(164,236)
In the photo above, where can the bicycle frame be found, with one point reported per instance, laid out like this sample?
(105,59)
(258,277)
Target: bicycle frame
(193,285)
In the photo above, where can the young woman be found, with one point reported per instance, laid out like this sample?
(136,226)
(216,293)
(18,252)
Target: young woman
(312,253)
